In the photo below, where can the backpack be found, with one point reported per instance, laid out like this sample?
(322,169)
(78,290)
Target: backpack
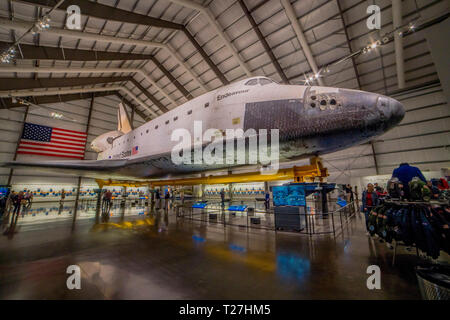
(415,189)
(393,188)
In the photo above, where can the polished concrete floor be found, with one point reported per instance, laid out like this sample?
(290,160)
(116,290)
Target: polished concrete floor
(160,256)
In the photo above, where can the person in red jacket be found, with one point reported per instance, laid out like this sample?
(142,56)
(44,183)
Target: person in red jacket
(443,184)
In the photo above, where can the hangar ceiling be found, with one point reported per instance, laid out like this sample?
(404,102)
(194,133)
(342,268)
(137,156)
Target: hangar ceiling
(165,52)
(181,45)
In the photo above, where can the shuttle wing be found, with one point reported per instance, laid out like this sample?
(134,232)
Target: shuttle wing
(88,168)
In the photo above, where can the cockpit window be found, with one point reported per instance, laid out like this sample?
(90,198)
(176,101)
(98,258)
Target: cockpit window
(264,81)
(252,82)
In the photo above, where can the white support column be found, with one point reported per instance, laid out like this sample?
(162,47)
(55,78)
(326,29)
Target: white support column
(398,42)
(290,13)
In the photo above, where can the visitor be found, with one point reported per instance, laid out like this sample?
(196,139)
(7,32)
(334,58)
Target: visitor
(442,184)
(405,173)
(222,197)
(107,199)
(369,201)
(267,200)
(182,197)
(381,193)
(166,200)
(172,198)
(10,202)
(61,201)
(29,198)
(158,199)
(377,188)
(434,190)
(17,202)
(348,192)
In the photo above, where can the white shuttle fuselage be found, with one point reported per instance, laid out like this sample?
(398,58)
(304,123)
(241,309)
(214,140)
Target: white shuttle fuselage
(219,109)
(311,121)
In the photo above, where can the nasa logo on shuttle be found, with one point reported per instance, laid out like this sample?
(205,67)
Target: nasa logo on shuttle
(123,154)
(208,147)
(229,94)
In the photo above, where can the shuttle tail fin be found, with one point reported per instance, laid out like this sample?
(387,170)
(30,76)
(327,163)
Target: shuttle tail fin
(123,121)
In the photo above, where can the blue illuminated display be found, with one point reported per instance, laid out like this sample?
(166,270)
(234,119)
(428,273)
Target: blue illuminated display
(290,195)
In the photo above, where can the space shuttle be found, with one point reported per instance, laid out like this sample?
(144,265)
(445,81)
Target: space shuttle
(310,121)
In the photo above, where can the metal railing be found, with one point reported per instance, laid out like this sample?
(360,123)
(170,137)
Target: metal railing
(327,223)
(314,223)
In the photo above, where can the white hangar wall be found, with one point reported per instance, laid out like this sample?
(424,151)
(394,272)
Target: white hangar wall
(103,119)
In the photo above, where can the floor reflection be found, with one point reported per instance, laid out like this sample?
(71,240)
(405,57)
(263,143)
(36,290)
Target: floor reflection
(155,254)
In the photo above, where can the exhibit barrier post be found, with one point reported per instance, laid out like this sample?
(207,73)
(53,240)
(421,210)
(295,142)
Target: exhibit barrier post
(97,208)
(77,197)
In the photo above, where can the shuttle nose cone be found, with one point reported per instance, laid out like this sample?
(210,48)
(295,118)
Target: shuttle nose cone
(398,111)
(391,111)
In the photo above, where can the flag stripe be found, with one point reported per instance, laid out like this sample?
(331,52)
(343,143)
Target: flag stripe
(80,145)
(63,139)
(56,152)
(59,136)
(46,154)
(68,135)
(72,131)
(49,145)
(53,151)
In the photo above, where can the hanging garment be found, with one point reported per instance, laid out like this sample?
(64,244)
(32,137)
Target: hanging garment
(372,221)
(436,216)
(432,238)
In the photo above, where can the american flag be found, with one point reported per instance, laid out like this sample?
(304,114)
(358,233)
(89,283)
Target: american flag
(52,142)
(135,150)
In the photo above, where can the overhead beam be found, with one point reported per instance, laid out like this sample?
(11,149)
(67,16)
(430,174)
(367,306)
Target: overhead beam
(263,41)
(74,34)
(206,13)
(149,96)
(290,13)
(52,53)
(29,83)
(97,10)
(7,102)
(34,93)
(172,79)
(87,70)
(105,12)
(205,57)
